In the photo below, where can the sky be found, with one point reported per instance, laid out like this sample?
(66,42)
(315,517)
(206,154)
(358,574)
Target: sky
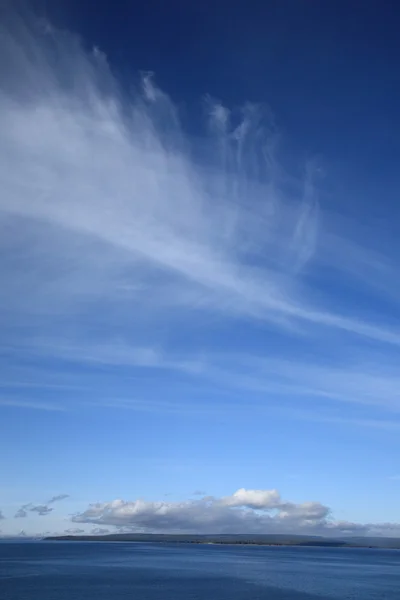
(199,249)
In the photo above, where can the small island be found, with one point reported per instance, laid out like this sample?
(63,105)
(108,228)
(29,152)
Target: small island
(241,539)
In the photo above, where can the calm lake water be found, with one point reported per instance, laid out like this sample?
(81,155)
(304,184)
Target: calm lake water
(113,571)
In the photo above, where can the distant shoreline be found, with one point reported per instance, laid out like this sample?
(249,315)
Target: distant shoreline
(238,540)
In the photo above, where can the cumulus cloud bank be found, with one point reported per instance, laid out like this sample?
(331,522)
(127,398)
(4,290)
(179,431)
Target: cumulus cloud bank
(245,511)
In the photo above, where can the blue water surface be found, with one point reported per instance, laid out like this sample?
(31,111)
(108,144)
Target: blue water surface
(112,571)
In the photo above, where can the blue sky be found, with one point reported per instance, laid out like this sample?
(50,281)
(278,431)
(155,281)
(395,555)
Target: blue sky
(199,255)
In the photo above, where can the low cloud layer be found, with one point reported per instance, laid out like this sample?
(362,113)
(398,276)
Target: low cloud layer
(41,509)
(245,511)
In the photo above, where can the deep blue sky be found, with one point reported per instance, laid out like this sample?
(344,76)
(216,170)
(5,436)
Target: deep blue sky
(319,65)
(192,308)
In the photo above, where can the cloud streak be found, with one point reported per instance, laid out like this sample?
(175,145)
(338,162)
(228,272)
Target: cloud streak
(17,403)
(58,498)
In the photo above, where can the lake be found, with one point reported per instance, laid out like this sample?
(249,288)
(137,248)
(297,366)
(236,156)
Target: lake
(121,571)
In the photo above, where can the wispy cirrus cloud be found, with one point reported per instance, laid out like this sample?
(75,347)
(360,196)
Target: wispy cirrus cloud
(362,381)
(18,403)
(113,220)
(104,181)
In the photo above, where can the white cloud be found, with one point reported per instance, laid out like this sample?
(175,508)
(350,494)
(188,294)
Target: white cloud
(253,499)
(245,511)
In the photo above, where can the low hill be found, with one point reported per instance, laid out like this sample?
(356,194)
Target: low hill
(255,539)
